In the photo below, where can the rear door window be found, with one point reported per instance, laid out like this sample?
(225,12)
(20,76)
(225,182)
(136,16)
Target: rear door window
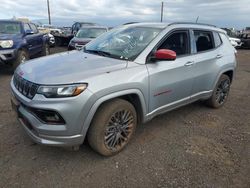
(203,40)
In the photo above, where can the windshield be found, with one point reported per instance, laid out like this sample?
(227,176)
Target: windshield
(124,42)
(10,28)
(90,32)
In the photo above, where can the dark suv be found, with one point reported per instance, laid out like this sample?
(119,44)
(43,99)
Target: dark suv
(20,41)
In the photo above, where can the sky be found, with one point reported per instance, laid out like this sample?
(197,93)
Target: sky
(222,13)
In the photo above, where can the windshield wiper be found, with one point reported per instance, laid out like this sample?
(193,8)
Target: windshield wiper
(99,52)
(105,54)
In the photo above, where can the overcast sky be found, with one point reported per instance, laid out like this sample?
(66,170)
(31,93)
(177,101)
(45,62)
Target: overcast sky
(223,13)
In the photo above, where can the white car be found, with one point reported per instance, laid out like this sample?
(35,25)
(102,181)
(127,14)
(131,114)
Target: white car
(235,42)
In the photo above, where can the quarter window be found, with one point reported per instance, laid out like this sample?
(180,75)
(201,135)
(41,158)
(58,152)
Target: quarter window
(178,42)
(204,40)
(217,39)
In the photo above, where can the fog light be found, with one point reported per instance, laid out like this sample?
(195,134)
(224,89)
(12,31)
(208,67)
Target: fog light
(48,116)
(52,117)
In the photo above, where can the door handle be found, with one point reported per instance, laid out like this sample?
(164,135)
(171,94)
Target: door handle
(219,56)
(189,63)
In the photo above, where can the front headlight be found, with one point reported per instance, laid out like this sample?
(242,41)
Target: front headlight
(6,43)
(61,90)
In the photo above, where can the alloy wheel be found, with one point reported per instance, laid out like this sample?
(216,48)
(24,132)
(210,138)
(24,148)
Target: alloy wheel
(222,91)
(119,129)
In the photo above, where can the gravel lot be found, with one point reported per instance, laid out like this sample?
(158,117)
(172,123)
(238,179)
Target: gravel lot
(194,146)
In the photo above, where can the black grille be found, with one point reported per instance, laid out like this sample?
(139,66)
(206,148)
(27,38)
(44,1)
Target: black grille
(27,88)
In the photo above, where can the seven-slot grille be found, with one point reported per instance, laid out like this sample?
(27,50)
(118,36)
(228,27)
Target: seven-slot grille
(27,88)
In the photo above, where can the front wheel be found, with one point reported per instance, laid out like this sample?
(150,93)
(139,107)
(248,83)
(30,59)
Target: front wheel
(112,127)
(220,93)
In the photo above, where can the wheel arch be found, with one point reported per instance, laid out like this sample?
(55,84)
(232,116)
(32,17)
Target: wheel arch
(134,96)
(229,72)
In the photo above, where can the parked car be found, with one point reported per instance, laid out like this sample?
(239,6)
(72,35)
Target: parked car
(245,38)
(20,41)
(236,42)
(124,77)
(233,37)
(50,29)
(85,35)
(66,34)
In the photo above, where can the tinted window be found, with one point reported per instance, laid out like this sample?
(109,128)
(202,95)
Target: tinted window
(217,39)
(33,27)
(177,42)
(26,27)
(204,40)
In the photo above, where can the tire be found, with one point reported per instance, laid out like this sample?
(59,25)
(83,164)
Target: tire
(22,56)
(220,93)
(58,41)
(109,133)
(46,50)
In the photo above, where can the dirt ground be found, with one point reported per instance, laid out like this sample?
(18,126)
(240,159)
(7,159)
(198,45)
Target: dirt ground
(194,146)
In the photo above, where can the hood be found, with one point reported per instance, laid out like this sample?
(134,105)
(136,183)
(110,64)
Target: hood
(9,36)
(67,68)
(81,40)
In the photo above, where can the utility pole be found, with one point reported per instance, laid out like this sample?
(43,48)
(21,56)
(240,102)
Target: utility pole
(162,4)
(48,12)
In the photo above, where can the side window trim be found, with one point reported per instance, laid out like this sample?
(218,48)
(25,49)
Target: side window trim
(192,42)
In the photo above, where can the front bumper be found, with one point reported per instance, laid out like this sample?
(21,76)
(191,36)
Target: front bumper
(8,55)
(51,140)
(73,110)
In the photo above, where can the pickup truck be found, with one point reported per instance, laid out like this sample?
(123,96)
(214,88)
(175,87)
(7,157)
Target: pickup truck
(20,41)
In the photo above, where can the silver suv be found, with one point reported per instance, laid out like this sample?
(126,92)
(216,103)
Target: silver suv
(124,77)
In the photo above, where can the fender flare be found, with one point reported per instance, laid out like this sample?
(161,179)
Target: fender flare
(105,98)
(221,72)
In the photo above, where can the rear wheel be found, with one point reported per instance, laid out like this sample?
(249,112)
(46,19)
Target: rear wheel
(22,56)
(112,127)
(220,93)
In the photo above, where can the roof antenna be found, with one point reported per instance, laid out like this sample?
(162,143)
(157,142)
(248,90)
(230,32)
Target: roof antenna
(162,5)
(197,19)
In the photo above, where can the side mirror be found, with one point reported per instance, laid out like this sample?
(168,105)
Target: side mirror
(29,32)
(164,54)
